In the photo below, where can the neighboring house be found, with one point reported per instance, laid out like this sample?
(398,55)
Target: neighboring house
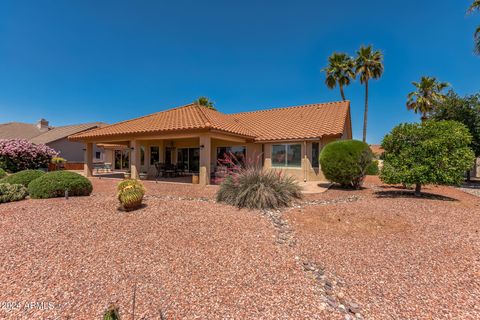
(195,137)
(377,150)
(54,137)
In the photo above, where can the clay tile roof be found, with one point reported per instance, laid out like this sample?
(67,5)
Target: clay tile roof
(189,117)
(308,121)
(300,122)
(376,149)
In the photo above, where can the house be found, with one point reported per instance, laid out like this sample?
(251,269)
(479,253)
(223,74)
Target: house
(377,150)
(195,137)
(54,137)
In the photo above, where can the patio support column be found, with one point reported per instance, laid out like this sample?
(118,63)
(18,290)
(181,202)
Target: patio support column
(88,160)
(205,155)
(304,161)
(135,159)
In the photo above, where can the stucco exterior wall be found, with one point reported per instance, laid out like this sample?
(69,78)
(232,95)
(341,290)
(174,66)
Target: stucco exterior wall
(73,151)
(306,172)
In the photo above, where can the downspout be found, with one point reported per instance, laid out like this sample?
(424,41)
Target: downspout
(305,161)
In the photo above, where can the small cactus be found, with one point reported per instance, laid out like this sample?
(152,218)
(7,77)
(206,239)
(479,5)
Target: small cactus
(130,194)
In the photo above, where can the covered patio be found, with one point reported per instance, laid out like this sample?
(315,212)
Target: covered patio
(179,157)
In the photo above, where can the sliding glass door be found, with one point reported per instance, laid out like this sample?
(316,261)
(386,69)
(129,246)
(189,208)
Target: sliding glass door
(122,159)
(188,159)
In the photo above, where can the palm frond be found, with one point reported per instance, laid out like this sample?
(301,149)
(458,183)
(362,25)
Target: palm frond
(477,40)
(339,70)
(475,6)
(427,95)
(369,63)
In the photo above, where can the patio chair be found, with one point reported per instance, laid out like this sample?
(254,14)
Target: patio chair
(160,168)
(170,170)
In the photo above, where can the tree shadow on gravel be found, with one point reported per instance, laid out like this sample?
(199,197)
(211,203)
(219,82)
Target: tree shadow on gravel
(410,194)
(471,185)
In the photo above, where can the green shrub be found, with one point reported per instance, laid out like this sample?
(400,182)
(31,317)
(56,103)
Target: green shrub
(54,184)
(255,188)
(130,194)
(373,169)
(434,152)
(3,174)
(23,177)
(12,192)
(346,162)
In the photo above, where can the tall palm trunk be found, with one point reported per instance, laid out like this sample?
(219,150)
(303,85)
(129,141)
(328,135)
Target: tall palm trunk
(365,114)
(342,93)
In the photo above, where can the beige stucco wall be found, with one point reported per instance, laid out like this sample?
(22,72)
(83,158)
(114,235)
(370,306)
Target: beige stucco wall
(74,151)
(306,171)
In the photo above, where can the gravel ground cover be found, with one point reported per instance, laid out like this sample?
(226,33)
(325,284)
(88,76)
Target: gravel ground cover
(377,252)
(396,256)
(188,256)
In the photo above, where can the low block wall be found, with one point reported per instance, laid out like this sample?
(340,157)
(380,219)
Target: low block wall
(67,166)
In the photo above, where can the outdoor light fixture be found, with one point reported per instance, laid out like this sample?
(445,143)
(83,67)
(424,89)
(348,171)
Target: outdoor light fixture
(202,146)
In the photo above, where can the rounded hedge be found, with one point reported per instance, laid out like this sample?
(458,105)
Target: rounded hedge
(23,177)
(54,184)
(346,162)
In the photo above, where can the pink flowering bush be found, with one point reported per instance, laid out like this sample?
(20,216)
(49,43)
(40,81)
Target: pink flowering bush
(20,154)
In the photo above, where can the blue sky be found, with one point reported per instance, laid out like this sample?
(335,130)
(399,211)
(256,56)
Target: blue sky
(82,61)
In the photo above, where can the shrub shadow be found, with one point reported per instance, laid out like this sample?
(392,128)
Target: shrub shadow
(336,186)
(411,194)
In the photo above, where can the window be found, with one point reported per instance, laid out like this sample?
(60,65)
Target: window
(154,154)
(287,155)
(142,155)
(238,152)
(98,155)
(315,154)
(188,159)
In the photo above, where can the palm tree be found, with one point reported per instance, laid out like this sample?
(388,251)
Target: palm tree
(206,102)
(369,65)
(339,71)
(476,6)
(427,95)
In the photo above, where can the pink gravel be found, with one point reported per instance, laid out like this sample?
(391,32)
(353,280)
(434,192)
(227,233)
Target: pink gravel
(400,257)
(190,258)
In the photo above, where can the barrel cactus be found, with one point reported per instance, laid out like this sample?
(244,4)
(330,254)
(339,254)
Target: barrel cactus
(130,194)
